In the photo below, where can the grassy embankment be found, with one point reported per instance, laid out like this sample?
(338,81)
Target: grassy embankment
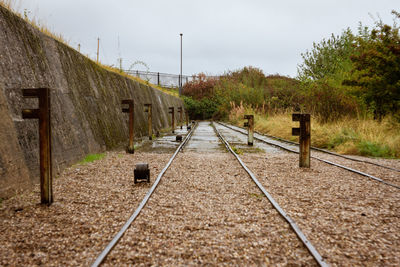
(13,6)
(353,136)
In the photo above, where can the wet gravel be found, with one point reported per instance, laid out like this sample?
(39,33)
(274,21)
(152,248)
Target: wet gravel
(387,175)
(207,211)
(92,202)
(351,220)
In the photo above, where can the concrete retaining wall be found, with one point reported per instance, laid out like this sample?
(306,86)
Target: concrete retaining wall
(85,104)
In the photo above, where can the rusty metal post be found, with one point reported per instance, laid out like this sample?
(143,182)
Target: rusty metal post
(250,126)
(43,114)
(180,117)
(150,123)
(130,149)
(305,137)
(172,111)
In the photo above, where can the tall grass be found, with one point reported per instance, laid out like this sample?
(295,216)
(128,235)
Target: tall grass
(349,135)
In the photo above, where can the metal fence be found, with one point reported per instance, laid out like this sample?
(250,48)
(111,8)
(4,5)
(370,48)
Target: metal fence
(163,79)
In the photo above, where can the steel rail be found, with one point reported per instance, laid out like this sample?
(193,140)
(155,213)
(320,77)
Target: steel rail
(326,161)
(275,204)
(320,150)
(118,236)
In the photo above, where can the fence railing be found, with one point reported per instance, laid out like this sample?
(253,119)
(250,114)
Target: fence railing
(163,79)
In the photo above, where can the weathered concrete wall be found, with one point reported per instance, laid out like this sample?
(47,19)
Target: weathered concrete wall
(85,103)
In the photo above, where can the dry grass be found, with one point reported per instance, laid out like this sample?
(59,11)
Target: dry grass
(14,6)
(353,136)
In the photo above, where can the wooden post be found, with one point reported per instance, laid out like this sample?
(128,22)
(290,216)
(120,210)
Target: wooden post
(250,125)
(130,149)
(187,118)
(43,114)
(150,123)
(172,111)
(158,78)
(305,138)
(180,117)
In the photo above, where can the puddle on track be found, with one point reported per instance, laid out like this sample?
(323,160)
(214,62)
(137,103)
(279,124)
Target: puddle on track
(164,144)
(204,140)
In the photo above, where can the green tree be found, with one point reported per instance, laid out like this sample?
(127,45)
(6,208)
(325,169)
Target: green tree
(328,60)
(376,69)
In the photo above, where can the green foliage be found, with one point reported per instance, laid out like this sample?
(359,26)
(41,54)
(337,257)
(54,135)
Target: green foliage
(376,71)
(266,94)
(344,136)
(92,157)
(364,148)
(361,70)
(376,150)
(201,109)
(328,60)
(329,103)
(237,150)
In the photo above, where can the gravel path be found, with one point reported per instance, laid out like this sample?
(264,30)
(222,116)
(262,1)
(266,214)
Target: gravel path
(207,211)
(385,174)
(351,220)
(92,202)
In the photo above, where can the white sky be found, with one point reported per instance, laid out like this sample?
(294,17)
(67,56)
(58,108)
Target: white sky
(218,35)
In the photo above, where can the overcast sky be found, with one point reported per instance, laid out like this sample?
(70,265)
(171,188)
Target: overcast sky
(218,35)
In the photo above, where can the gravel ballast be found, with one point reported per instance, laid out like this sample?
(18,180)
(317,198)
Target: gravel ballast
(207,211)
(352,220)
(92,202)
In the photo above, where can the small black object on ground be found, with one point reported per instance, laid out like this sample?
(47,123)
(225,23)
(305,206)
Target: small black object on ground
(142,173)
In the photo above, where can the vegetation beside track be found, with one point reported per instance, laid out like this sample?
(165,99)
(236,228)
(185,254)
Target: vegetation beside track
(350,84)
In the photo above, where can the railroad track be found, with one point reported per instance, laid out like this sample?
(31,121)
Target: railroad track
(318,258)
(275,204)
(136,213)
(391,176)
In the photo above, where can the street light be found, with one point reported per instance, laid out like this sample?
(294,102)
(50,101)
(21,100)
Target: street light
(180,76)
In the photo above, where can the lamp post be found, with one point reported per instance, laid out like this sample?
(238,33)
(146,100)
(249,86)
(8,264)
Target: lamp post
(180,77)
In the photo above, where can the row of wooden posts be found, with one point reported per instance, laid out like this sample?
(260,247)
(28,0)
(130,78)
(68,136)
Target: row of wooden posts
(148,108)
(43,114)
(304,133)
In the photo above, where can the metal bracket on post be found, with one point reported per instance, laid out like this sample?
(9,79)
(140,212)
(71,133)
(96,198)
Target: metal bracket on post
(43,114)
(305,137)
(172,111)
(148,109)
(130,149)
(180,117)
(250,125)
